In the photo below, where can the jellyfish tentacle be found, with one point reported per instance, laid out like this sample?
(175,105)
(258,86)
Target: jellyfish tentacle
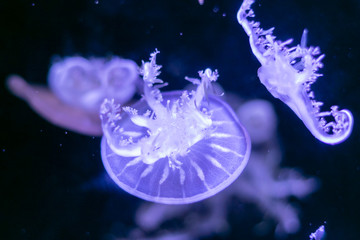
(288,73)
(150,70)
(330,132)
(251,28)
(119,143)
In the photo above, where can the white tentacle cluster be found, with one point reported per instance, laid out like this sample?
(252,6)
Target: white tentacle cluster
(172,127)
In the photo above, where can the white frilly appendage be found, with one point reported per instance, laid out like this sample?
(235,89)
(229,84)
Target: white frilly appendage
(288,72)
(171,128)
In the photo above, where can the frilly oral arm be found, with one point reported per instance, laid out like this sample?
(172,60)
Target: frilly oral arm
(150,70)
(288,72)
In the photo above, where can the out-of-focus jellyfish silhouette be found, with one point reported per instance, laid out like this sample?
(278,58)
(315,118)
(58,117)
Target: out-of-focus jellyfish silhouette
(262,183)
(288,73)
(77,88)
(173,147)
(85,83)
(260,119)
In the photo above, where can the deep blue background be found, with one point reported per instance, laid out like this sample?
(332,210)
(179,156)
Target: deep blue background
(52,184)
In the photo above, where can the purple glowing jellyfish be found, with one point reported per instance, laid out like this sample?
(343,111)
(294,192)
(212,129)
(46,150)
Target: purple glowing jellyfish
(288,73)
(174,147)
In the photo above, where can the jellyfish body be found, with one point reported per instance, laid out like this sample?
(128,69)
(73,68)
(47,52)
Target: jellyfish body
(84,83)
(288,72)
(174,147)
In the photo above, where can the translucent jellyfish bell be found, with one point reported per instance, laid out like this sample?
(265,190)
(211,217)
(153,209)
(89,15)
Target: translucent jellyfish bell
(174,147)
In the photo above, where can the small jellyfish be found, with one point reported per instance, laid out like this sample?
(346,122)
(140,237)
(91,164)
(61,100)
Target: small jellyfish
(288,72)
(173,147)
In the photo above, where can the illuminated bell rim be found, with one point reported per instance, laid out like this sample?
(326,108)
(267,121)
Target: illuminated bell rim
(187,200)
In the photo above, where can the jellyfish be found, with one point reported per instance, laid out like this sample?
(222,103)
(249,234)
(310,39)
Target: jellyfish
(288,73)
(77,88)
(173,147)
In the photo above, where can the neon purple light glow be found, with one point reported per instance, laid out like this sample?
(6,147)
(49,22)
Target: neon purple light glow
(174,147)
(288,73)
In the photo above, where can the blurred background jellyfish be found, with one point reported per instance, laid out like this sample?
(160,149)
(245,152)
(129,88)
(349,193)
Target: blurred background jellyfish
(288,73)
(77,88)
(264,182)
(85,83)
(173,147)
(260,120)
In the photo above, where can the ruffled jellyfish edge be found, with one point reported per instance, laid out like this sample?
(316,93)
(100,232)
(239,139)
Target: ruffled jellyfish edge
(301,99)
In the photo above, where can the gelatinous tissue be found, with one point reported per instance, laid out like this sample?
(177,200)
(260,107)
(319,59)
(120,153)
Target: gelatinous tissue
(173,147)
(288,73)
(77,88)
